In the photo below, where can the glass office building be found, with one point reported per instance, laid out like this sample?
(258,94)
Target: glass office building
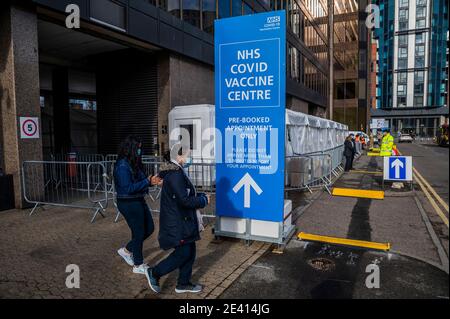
(308,49)
(412,69)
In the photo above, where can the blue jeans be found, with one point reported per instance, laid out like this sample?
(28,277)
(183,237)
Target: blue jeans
(139,219)
(181,258)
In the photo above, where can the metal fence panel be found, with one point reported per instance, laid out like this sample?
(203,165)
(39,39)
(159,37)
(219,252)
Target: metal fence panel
(67,184)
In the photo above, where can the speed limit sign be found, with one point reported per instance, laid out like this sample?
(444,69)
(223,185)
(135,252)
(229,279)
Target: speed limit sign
(29,127)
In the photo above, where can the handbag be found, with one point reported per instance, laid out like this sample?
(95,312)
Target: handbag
(201,226)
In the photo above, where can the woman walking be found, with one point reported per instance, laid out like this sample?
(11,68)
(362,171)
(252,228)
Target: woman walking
(131,187)
(179,225)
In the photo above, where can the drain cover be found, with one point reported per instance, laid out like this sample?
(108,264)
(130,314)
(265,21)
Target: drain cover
(322,264)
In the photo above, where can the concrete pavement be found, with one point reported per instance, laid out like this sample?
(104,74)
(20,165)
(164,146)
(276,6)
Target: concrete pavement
(412,269)
(36,250)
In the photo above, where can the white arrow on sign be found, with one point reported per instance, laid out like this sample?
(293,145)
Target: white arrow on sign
(247,182)
(397,164)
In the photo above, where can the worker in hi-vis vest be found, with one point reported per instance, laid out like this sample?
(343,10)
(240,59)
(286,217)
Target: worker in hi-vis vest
(386,143)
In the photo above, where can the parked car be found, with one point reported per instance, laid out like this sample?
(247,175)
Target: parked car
(405,138)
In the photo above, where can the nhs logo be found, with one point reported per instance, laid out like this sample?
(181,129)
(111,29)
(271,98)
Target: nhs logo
(274,19)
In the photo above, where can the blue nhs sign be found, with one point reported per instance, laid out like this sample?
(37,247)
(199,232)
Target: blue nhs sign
(250,72)
(250,75)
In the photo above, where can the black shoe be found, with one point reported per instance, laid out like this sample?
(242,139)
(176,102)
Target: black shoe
(188,288)
(153,281)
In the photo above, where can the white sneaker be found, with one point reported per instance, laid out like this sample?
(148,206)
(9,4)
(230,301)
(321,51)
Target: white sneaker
(141,269)
(126,256)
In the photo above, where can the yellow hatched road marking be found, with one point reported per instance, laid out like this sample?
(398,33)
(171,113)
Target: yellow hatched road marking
(345,241)
(360,193)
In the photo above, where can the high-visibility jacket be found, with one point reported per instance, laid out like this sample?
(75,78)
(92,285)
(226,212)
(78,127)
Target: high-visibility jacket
(386,145)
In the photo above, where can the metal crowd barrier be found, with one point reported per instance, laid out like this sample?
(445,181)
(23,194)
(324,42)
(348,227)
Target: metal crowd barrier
(88,182)
(65,184)
(76,157)
(312,170)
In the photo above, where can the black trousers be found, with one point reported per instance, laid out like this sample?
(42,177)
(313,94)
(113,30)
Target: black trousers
(348,163)
(181,258)
(139,219)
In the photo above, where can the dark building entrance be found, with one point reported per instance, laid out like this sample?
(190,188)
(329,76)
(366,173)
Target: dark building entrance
(127,100)
(94,92)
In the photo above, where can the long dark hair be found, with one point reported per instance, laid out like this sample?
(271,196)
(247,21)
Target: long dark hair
(129,150)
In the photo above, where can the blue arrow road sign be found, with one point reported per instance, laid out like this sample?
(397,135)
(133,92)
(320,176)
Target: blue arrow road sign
(250,75)
(398,168)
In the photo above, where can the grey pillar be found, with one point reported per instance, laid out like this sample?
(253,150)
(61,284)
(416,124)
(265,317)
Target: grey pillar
(19,88)
(331,58)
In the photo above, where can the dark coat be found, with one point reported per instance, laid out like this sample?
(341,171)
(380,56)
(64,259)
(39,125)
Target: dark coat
(349,150)
(126,184)
(178,224)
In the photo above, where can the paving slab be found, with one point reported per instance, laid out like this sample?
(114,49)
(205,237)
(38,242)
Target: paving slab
(36,251)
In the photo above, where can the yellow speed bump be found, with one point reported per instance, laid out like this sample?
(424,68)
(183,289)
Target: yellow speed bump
(344,241)
(360,193)
(373,154)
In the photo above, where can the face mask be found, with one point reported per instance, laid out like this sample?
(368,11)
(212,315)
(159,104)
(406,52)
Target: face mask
(188,162)
(138,152)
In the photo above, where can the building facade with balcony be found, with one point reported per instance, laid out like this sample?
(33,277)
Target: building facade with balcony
(412,74)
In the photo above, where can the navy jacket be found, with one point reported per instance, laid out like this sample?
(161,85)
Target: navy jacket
(128,186)
(349,150)
(178,222)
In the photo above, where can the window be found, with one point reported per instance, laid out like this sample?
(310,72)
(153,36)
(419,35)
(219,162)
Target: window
(420,23)
(402,63)
(209,14)
(403,14)
(190,129)
(295,17)
(191,12)
(83,104)
(418,101)
(403,3)
(402,52)
(401,90)
(420,38)
(247,9)
(420,50)
(403,25)
(421,2)
(173,7)
(421,12)
(420,62)
(419,82)
(294,70)
(403,40)
(419,76)
(224,9)
(402,77)
(109,12)
(401,101)
(237,7)
(418,88)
